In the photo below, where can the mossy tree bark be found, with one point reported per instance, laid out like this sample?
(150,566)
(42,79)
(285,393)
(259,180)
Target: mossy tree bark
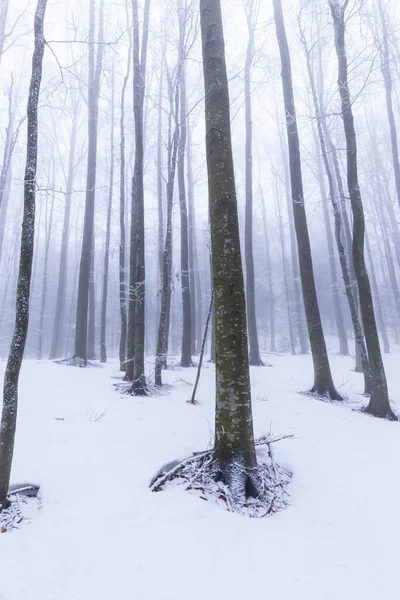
(234,449)
(11,376)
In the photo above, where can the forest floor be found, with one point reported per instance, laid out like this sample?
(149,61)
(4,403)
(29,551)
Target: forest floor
(101,534)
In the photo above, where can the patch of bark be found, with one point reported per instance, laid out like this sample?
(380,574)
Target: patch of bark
(198,474)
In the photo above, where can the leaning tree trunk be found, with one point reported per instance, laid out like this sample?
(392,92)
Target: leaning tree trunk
(11,376)
(186,347)
(137,279)
(254,350)
(81,331)
(323,383)
(234,449)
(379,402)
(103,325)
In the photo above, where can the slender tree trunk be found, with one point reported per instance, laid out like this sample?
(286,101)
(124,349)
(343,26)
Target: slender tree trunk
(379,312)
(81,331)
(285,277)
(56,347)
(379,402)
(323,383)
(254,350)
(186,346)
(11,376)
(234,449)
(91,338)
(387,77)
(196,383)
(122,244)
(165,311)
(49,230)
(270,279)
(103,343)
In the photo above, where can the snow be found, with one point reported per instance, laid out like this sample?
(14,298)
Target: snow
(101,534)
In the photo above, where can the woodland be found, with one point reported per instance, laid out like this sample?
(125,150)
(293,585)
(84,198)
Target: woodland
(199,236)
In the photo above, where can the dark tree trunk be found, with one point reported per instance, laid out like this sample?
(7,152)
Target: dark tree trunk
(323,383)
(203,345)
(11,376)
(254,350)
(234,449)
(103,326)
(186,346)
(137,279)
(379,402)
(56,348)
(81,331)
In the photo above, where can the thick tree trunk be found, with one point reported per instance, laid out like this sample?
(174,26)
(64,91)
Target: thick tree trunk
(137,279)
(323,383)
(11,376)
(81,331)
(379,402)
(234,449)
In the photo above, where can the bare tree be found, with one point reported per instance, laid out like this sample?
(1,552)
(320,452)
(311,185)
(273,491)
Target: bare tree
(11,377)
(234,449)
(379,402)
(323,383)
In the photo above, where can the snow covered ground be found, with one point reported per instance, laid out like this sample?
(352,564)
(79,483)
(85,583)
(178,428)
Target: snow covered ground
(101,534)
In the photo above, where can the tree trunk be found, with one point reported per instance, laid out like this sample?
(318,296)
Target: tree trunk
(122,244)
(387,77)
(81,331)
(48,228)
(56,347)
(254,350)
(186,346)
(234,449)
(11,376)
(165,310)
(271,295)
(137,279)
(103,343)
(323,383)
(379,312)
(379,402)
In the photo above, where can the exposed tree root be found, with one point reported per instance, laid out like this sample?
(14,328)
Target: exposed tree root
(75,361)
(250,492)
(22,506)
(384,414)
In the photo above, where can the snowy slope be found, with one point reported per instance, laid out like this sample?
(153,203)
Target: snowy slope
(101,534)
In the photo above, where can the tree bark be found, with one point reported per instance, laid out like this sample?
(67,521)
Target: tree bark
(81,331)
(234,449)
(11,376)
(379,402)
(323,383)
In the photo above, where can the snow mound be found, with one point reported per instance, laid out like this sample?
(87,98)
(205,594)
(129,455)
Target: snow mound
(22,511)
